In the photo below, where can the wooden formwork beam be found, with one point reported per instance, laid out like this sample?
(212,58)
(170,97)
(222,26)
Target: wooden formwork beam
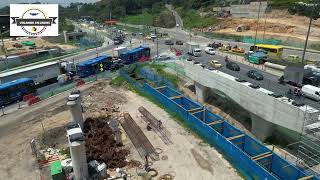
(176,97)
(261,156)
(235,137)
(306,178)
(215,122)
(195,109)
(160,87)
(198,111)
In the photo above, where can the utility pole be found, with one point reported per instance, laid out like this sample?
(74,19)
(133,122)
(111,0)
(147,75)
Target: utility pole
(265,22)
(306,42)
(255,38)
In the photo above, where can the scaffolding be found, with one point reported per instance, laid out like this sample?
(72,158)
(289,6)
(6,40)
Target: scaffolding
(307,148)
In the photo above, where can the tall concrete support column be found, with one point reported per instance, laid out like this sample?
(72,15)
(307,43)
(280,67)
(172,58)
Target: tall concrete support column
(201,92)
(261,128)
(78,153)
(74,103)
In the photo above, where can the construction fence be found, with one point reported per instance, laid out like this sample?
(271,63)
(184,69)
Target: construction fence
(75,84)
(248,155)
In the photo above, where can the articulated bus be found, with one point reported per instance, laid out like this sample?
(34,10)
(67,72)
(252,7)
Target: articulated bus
(272,50)
(13,91)
(94,66)
(135,55)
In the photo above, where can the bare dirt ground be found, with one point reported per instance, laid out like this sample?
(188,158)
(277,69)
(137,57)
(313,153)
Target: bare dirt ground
(39,42)
(187,158)
(278,24)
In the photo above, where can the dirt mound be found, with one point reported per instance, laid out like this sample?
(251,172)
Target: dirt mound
(101,145)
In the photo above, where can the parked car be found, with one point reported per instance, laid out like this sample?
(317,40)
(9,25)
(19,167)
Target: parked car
(149,37)
(140,33)
(255,75)
(210,50)
(233,66)
(179,42)
(163,57)
(215,64)
(153,36)
(168,42)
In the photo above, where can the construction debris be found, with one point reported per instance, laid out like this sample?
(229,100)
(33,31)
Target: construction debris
(156,125)
(138,138)
(101,144)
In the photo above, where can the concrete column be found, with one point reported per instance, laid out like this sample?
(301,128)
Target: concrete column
(261,128)
(74,103)
(78,153)
(201,92)
(65,36)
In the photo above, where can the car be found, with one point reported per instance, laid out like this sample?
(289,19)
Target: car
(168,42)
(140,33)
(153,36)
(163,57)
(233,66)
(134,34)
(179,42)
(148,37)
(210,50)
(215,64)
(255,75)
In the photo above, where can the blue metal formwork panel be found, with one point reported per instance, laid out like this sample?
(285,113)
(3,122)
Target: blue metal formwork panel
(210,117)
(242,152)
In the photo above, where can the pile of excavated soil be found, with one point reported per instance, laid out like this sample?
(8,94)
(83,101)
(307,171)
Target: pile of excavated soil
(101,144)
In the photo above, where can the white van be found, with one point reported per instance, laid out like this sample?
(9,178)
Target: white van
(197,52)
(210,51)
(311,92)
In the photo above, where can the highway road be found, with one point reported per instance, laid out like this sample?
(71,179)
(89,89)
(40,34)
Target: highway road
(182,34)
(270,81)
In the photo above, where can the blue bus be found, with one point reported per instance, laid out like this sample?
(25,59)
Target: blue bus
(15,90)
(94,66)
(135,55)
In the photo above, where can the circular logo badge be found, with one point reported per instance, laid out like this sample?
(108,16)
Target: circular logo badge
(34,15)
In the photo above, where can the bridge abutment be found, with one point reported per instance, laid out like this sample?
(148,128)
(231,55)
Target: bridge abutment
(201,92)
(261,128)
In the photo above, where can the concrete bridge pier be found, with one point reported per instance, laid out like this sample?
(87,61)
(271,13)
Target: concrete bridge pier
(261,128)
(201,92)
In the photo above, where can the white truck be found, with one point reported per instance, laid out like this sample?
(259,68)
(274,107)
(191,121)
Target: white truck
(40,73)
(194,49)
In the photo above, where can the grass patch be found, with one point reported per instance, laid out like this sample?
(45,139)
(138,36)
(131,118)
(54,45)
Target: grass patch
(145,18)
(192,19)
(221,36)
(118,81)
(160,70)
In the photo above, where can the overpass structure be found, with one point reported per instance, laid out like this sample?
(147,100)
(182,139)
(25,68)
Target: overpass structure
(267,110)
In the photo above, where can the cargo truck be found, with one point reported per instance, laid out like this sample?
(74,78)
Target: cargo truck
(194,49)
(298,76)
